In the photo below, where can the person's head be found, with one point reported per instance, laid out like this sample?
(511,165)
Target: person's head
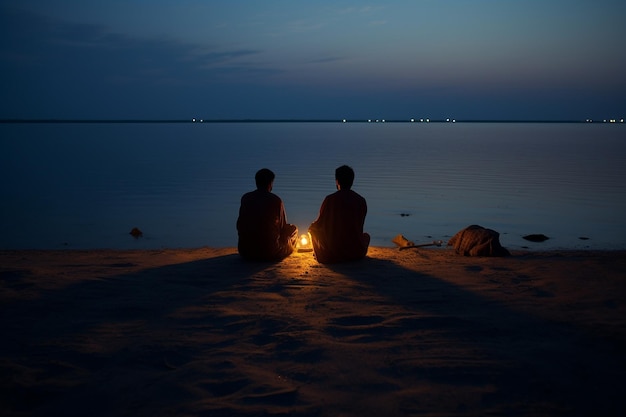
(344,175)
(264,179)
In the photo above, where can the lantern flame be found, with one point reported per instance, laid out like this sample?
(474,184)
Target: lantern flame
(304,243)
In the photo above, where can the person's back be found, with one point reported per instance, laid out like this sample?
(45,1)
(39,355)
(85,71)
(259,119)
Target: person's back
(338,231)
(262,227)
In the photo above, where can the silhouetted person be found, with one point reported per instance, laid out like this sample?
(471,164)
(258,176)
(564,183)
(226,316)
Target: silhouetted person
(264,234)
(337,234)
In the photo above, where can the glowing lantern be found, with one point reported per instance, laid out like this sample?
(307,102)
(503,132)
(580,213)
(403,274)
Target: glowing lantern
(304,243)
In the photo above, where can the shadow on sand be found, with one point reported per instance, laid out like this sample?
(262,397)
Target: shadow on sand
(221,336)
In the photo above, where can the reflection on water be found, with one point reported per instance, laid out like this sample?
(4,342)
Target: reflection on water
(88,185)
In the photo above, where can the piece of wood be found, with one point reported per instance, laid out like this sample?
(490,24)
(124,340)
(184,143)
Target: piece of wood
(433,243)
(402,241)
(405,243)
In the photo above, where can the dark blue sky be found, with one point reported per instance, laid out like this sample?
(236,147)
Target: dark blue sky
(481,59)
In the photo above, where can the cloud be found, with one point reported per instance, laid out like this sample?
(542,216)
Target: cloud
(49,66)
(51,45)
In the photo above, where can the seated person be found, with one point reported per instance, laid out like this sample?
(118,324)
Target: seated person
(264,234)
(337,234)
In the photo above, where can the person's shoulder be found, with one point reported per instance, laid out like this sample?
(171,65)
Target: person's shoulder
(247,195)
(357,195)
(332,196)
(273,199)
(255,195)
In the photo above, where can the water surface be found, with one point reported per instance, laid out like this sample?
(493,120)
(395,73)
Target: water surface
(87,185)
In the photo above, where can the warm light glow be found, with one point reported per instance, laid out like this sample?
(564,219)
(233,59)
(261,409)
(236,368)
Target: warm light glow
(304,243)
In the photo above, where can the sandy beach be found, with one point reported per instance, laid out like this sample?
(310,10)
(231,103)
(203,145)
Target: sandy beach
(423,332)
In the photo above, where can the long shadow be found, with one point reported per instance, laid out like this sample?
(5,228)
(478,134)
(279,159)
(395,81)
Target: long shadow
(531,361)
(69,351)
(143,295)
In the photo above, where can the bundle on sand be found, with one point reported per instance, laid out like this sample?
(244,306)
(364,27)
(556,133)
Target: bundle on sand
(476,240)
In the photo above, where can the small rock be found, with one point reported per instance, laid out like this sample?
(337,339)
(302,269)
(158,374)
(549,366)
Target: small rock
(136,233)
(536,238)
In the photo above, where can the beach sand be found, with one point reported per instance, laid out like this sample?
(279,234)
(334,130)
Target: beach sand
(200,332)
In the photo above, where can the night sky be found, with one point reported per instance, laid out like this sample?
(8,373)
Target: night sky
(153,59)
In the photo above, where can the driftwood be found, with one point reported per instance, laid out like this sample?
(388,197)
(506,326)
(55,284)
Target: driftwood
(402,241)
(405,243)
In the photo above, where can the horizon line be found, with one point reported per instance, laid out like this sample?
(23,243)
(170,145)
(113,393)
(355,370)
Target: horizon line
(302,120)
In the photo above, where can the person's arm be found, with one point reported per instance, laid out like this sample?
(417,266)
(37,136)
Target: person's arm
(317,227)
(282,216)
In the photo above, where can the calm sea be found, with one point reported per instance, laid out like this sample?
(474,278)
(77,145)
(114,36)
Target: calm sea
(86,185)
